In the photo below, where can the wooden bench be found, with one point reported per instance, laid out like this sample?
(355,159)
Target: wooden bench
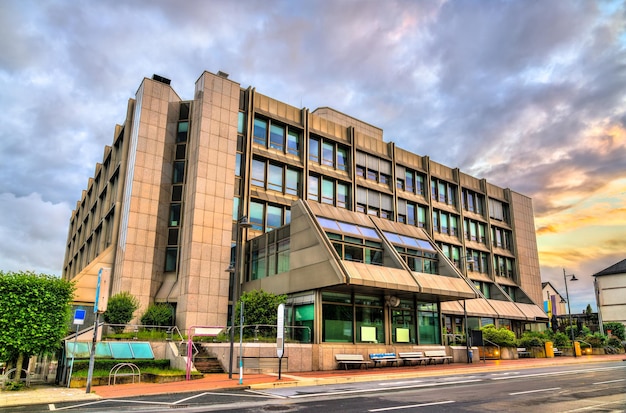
(380,358)
(557,352)
(411,356)
(346,360)
(435,355)
(522,352)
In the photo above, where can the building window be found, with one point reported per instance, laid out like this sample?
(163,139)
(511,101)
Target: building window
(277,137)
(498,210)
(473,201)
(293,143)
(314,150)
(443,191)
(502,238)
(179,172)
(337,318)
(280,178)
(373,168)
(283,138)
(314,188)
(503,266)
(241,123)
(171,256)
(269,254)
(260,131)
(330,191)
(266,217)
(374,203)
(428,323)
(328,153)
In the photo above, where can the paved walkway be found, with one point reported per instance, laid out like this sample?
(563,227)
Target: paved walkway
(42,394)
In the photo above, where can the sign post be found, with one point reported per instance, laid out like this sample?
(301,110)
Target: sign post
(280,336)
(99,306)
(79,320)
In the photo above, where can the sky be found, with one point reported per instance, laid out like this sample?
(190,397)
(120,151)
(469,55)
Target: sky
(529,94)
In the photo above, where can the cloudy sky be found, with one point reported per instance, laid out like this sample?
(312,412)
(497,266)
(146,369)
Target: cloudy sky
(530,95)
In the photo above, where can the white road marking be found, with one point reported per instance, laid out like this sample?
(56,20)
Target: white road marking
(556,373)
(386,409)
(333,393)
(398,383)
(534,391)
(609,381)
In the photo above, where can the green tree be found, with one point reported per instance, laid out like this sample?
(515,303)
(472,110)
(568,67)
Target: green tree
(260,307)
(158,314)
(35,312)
(120,309)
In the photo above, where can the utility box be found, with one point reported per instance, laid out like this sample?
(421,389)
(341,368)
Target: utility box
(549,349)
(577,349)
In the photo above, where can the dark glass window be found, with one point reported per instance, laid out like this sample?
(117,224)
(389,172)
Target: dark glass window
(260,131)
(314,150)
(277,137)
(179,172)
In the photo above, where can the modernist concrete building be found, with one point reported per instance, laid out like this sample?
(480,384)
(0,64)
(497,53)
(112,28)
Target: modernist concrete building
(610,286)
(371,243)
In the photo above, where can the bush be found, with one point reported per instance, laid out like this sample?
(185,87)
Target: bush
(596,340)
(561,340)
(108,364)
(120,309)
(159,314)
(501,336)
(614,342)
(617,329)
(532,339)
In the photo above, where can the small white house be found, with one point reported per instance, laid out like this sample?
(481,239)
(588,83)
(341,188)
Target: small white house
(610,286)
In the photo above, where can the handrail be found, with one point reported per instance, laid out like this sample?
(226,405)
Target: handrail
(499,352)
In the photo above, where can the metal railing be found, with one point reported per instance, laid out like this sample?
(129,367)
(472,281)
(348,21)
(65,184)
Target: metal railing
(257,332)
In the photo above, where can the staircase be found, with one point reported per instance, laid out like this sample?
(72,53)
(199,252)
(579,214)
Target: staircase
(206,362)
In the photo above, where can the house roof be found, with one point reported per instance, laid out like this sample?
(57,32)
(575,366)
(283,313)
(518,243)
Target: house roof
(619,268)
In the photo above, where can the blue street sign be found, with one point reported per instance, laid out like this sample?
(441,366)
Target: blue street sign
(79,316)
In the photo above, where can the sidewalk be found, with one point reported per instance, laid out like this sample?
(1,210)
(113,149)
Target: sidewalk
(43,394)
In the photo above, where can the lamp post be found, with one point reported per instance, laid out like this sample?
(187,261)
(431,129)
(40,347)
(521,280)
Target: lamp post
(233,269)
(467,260)
(569,307)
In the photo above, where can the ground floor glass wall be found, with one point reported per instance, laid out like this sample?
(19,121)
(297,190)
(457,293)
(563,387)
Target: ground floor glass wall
(357,318)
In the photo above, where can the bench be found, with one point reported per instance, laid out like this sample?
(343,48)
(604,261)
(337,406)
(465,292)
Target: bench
(557,352)
(346,360)
(522,352)
(380,358)
(410,357)
(435,355)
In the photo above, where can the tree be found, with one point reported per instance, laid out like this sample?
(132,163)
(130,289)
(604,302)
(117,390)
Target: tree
(120,309)
(158,314)
(260,307)
(35,312)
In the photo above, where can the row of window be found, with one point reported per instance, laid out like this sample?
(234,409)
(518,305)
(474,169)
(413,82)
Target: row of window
(269,255)
(275,177)
(329,191)
(274,135)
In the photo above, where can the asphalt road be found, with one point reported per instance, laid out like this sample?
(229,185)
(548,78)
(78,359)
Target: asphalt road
(580,388)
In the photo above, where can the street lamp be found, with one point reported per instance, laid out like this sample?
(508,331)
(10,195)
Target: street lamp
(233,269)
(569,307)
(468,259)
